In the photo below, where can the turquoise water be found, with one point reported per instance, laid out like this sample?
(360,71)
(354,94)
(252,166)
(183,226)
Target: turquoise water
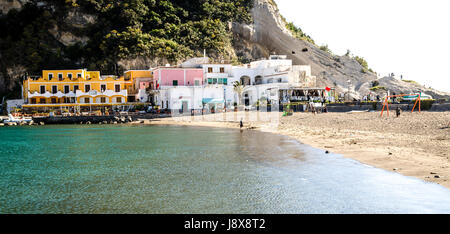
(162,169)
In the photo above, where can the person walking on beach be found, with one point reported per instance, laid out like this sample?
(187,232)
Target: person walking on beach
(397,111)
(241,124)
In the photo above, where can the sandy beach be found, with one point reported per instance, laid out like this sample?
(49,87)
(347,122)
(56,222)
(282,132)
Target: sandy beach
(415,144)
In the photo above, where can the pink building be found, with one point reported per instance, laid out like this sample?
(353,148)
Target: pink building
(170,76)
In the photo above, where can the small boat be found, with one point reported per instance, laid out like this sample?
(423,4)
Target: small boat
(413,97)
(12,119)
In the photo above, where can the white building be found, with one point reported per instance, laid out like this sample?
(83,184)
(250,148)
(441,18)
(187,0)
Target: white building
(221,74)
(276,69)
(263,81)
(185,98)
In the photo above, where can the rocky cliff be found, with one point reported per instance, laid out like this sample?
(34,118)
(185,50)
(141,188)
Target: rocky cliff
(268,35)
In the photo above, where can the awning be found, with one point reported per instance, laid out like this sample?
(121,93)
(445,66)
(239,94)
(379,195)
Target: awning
(212,101)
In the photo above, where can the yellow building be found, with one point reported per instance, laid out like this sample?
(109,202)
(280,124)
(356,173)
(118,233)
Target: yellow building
(138,81)
(74,88)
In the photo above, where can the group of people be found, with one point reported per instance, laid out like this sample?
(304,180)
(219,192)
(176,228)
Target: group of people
(371,97)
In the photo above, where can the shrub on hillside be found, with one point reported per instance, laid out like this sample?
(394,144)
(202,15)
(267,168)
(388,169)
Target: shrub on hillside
(377,88)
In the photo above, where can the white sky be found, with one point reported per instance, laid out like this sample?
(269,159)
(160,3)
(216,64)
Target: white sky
(409,38)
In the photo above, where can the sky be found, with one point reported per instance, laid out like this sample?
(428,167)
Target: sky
(404,37)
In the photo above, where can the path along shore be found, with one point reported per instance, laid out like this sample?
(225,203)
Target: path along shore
(415,144)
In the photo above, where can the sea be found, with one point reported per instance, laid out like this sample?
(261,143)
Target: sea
(122,169)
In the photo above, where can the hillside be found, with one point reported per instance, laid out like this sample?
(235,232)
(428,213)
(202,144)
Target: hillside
(269,35)
(112,36)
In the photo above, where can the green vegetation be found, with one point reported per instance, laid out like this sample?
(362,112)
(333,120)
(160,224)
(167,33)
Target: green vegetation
(364,64)
(410,81)
(377,88)
(426,104)
(326,49)
(375,83)
(170,30)
(298,33)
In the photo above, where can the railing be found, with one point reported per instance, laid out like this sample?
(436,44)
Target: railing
(78,93)
(47,94)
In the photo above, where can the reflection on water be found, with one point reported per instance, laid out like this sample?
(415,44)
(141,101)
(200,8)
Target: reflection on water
(162,169)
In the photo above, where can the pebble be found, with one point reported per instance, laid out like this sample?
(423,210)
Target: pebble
(327,152)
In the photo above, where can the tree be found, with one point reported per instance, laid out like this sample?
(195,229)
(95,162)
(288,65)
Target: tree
(348,53)
(325,48)
(238,87)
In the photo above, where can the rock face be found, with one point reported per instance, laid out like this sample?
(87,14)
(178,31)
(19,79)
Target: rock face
(268,35)
(399,86)
(7,5)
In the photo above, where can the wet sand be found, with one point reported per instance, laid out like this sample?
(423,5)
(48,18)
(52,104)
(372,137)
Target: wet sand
(415,144)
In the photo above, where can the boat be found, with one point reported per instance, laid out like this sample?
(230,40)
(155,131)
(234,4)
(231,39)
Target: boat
(413,97)
(12,119)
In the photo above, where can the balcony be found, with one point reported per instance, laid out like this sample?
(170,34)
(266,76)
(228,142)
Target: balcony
(47,94)
(107,93)
(78,93)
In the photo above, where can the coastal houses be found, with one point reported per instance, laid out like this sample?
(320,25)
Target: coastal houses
(138,85)
(74,88)
(195,85)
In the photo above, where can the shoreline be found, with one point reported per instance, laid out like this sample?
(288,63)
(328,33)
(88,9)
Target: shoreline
(407,145)
(416,144)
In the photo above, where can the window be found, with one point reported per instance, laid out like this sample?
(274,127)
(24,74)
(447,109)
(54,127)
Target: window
(78,75)
(42,101)
(66,89)
(210,81)
(50,76)
(214,81)
(70,76)
(119,100)
(117,88)
(53,100)
(66,100)
(33,101)
(103,100)
(225,81)
(222,70)
(175,83)
(60,76)
(220,81)
(258,80)
(75,88)
(210,69)
(197,83)
(72,100)
(103,88)
(42,89)
(54,89)
(87,100)
(87,88)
